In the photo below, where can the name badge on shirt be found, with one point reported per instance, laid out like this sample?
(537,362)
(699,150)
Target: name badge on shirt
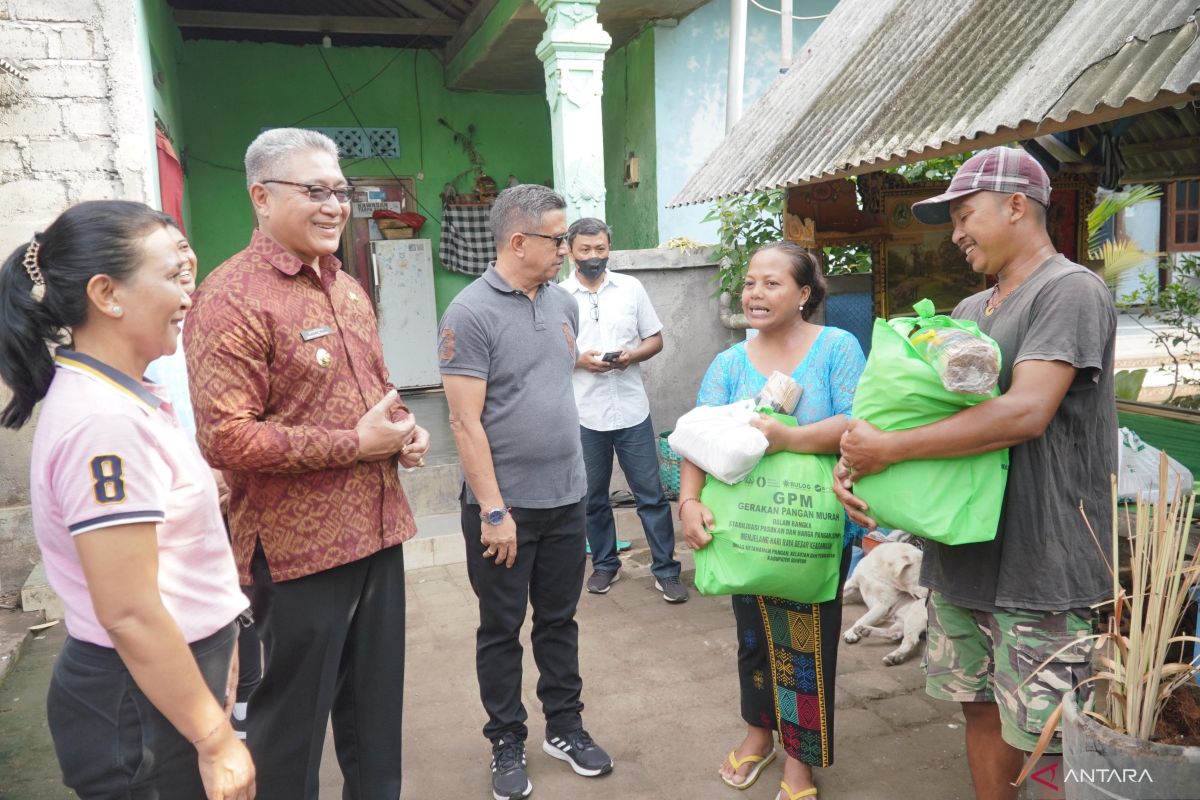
(315,333)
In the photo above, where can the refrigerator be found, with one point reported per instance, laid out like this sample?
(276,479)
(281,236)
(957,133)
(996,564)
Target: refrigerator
(402,273)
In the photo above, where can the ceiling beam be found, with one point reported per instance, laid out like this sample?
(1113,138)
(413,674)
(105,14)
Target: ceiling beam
(470,25)
(303,23)
(1191,143)
(1059,149)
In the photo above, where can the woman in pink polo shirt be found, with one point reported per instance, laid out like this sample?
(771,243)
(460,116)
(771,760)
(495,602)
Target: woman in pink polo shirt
(125,511)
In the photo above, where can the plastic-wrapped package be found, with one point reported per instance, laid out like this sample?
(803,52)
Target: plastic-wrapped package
(963,361)
(949,500)
(720,440)
(781,394)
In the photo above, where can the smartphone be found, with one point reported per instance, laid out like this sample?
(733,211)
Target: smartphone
(612,355)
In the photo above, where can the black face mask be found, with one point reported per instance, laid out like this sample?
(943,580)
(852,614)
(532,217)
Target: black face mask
(591,268)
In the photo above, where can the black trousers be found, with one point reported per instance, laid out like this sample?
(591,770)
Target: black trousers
(249,656)
(110,740)
(249,649)
(333,642)
(548,574)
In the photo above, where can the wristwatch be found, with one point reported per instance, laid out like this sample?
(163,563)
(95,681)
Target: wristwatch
(495,516)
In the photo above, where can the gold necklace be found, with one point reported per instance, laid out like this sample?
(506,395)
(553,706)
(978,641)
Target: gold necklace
(994,300)
(990,306)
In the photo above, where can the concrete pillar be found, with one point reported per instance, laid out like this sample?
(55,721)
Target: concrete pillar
(573,51)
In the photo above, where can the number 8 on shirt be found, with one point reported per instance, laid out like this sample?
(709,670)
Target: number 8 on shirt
(108,484)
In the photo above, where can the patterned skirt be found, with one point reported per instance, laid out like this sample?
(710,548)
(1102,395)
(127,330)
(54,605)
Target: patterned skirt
(787,664)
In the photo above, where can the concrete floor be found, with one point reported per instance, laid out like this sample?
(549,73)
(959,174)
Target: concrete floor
(661,693)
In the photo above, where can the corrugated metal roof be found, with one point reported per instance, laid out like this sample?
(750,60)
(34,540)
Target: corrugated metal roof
(888,79)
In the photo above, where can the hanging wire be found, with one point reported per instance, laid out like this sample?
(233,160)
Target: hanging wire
(352,92)
(192,157)
(778,12)
(346,100)
(420,126)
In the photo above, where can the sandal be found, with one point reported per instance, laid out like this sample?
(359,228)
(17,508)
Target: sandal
(784,789)
(759,762)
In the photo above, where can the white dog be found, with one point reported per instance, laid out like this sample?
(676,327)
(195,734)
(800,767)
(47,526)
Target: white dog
(885,580)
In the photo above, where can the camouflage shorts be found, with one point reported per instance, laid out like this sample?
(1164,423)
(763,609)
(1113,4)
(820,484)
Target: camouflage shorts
(979,656)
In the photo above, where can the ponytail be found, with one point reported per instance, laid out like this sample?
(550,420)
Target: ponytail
(103,237)
(25,362)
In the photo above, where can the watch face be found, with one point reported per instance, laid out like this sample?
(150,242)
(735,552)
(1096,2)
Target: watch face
(495,516)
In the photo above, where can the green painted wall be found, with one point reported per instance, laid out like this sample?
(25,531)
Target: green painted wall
(232,90)
(166,53)
(628,106)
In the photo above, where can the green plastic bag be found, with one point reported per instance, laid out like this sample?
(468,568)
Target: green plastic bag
(948,500)
(778,532)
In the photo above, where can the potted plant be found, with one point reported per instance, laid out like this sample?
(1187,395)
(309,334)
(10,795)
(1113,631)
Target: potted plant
(1137,738)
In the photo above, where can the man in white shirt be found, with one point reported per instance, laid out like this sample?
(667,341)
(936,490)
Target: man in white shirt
(617,329)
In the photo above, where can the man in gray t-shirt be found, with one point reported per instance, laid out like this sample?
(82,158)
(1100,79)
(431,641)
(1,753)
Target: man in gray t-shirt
(999,609)
(506,353)
(1043,557)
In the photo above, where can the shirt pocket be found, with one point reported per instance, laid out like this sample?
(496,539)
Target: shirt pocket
(306,357)
(625,329)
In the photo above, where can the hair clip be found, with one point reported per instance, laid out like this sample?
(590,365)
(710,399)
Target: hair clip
(30,262)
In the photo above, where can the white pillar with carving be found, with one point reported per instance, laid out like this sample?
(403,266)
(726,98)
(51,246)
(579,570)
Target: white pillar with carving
(573,51)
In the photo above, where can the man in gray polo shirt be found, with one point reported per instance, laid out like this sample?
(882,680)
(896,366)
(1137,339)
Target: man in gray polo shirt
(507,352)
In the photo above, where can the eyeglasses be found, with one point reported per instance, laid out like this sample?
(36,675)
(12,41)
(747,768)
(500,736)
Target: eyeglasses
(559,241)
(595,306)
(318,193)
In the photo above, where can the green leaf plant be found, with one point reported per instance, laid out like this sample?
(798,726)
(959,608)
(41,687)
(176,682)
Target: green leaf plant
(1117,255)
(744,224)
(1171,315)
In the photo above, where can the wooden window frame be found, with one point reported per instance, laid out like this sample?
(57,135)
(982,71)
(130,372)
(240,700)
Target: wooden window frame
(1172,243)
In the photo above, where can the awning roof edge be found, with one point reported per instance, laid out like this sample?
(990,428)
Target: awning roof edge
(832,116)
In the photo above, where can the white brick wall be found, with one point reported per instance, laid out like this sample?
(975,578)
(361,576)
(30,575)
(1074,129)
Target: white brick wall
(37,119)
(77,130)
(83,118)
(21,41)
(58,10)
(66,80)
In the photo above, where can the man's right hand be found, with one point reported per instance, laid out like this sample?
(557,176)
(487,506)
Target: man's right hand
(500,541)
(592,363)
(379,437)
